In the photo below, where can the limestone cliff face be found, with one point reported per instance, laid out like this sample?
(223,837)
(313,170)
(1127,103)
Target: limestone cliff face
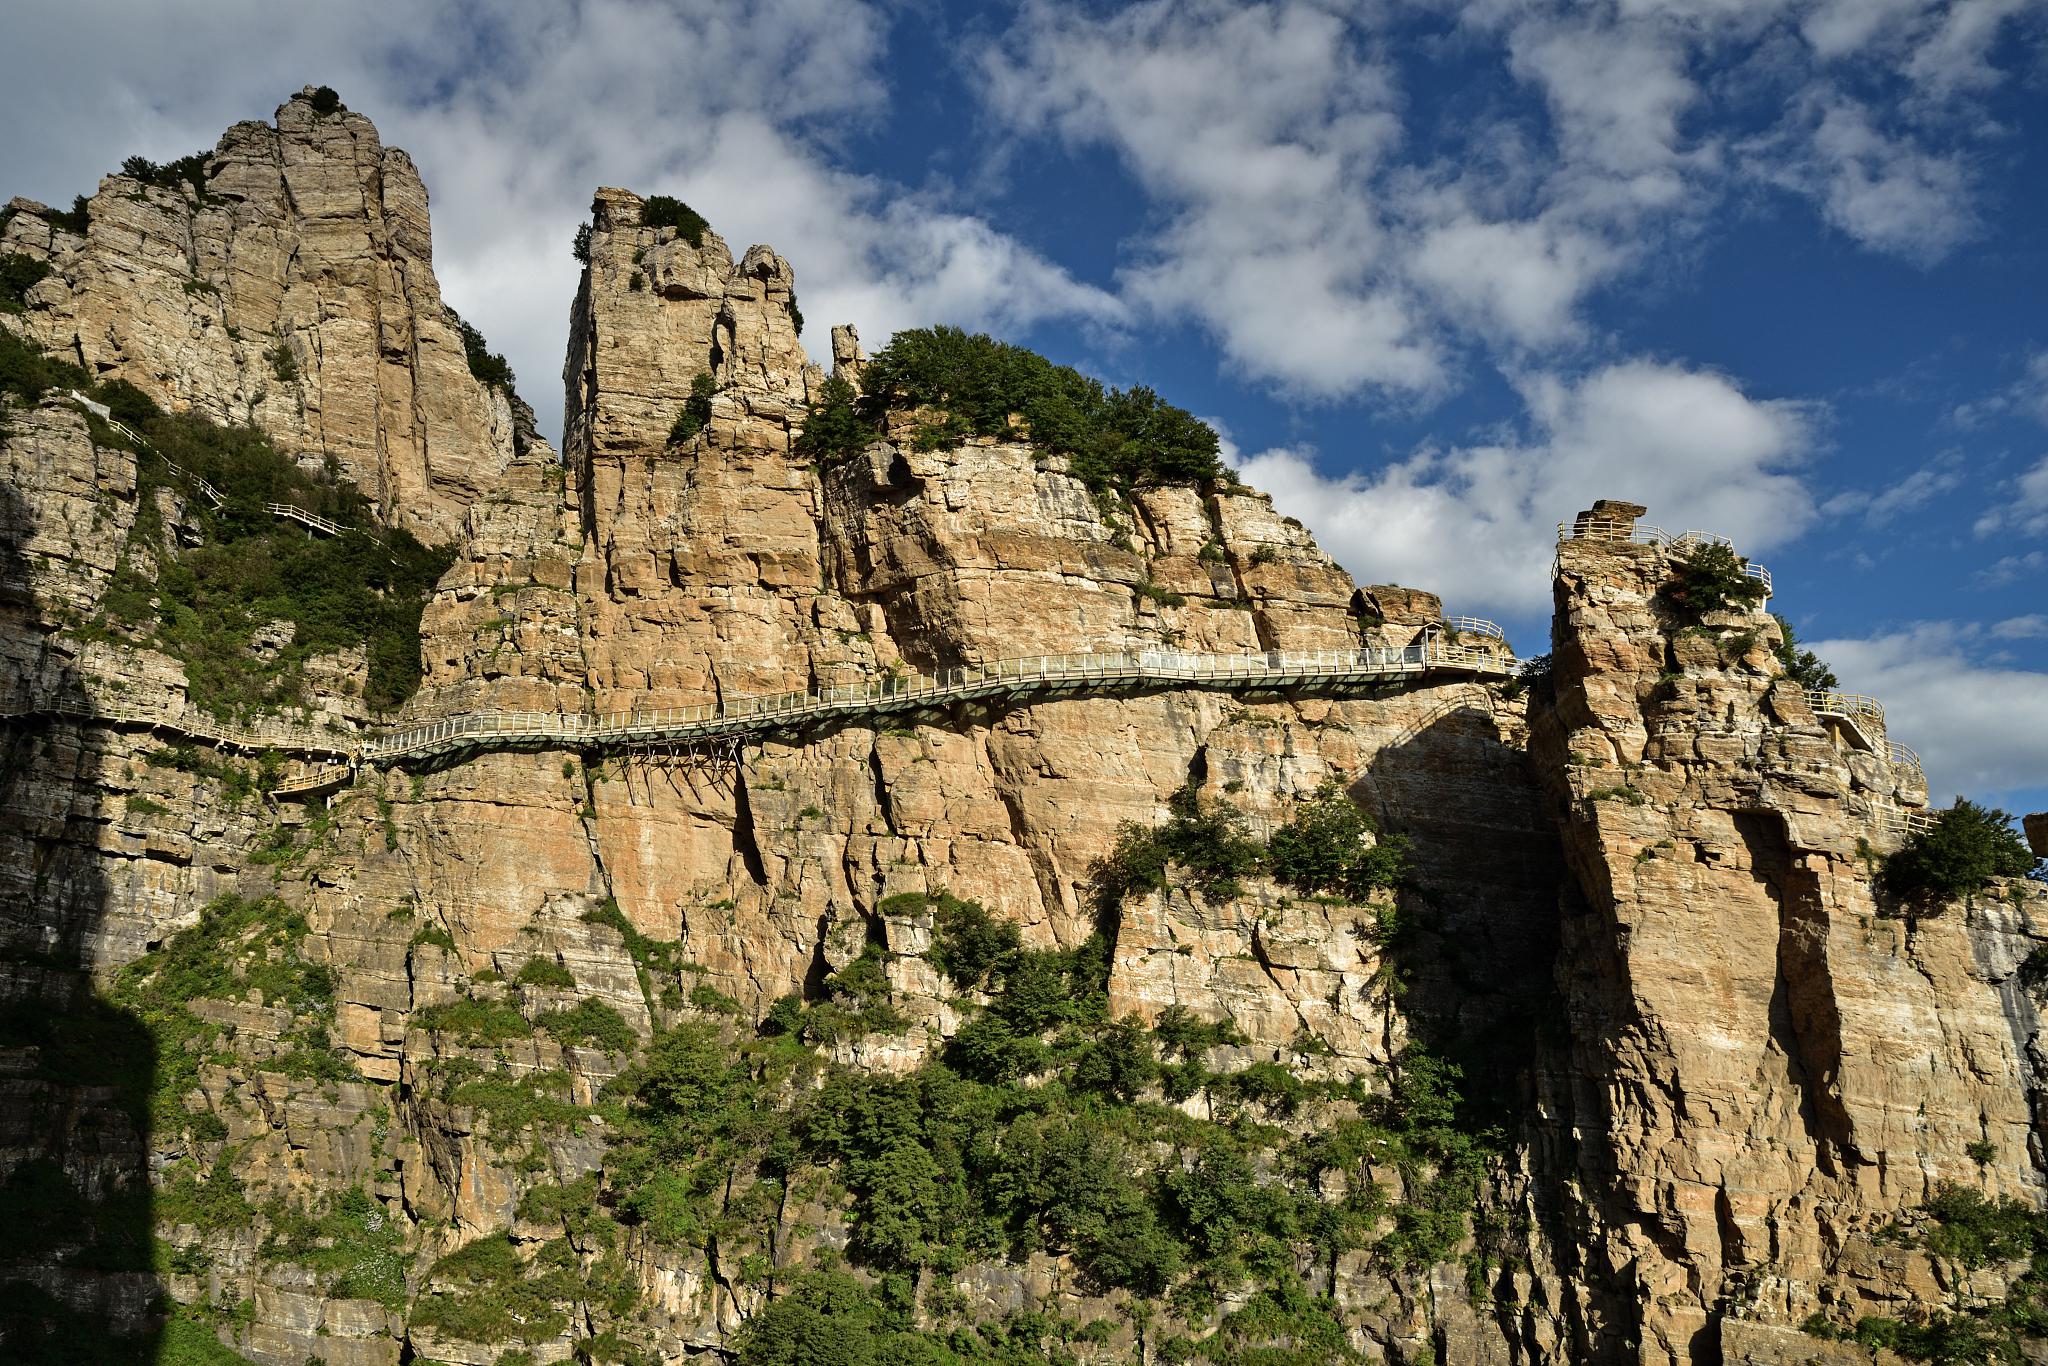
(1639,912)
(291,286)
(1764,1068)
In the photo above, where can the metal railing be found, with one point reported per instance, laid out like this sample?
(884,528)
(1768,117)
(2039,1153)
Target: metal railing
(311,520)
(1850,706)
(1905,819)
(1642,533)
(1033,674)
(1474,626)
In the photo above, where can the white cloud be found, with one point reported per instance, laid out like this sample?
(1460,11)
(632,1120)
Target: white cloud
(1916,490)
(1257,130)
(1889,193)
(1286,159)
(1981,728)
(1956,55)
(515,114)
(2024,510)
(1477,523)
(2031,627)
(2011,569)
(1840,28)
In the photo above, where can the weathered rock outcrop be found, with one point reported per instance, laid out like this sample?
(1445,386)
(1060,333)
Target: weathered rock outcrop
(1766,1065)
(1639,910)
(290,284)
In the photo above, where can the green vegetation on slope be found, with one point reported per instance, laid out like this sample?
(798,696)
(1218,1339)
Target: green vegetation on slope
(206,603)
(1046,1125)
(1803,667)
(968,384)
(1967,1232)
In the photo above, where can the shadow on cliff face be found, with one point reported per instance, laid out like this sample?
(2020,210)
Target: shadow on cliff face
(1478,922)
(76,1074)
(1477,938)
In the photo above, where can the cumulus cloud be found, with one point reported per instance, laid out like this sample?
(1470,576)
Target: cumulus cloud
(1258,129)
(1289,154)
(1980,726)
(1889,193)
(1478,522)
(2010,569)
(515,114)
(2024,509)
(1916,490)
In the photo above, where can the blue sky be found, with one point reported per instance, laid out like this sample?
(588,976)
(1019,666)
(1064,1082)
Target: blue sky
(1441,271)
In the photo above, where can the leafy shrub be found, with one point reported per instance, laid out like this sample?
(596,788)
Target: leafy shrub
(284,366)
(1711,580)
(666,211)
(1179,1031)
(487,366)
(1328,846)
(1533,677)
(77,219)
(473,1021)
(1803,667)
(544,972)
(591,1021)
(485,1293)
(18,275)
(827,1318)
(695,414)
(968,943)
(172,175)
(365,588)
(1975,1232)
(325,101)
(27,374)
(1206,839)
(579,246)
(977,386)
(1969,847)
(834,430)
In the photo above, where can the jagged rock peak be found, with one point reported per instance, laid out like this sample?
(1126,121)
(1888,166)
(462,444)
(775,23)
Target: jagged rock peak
(662,301)
(283,279)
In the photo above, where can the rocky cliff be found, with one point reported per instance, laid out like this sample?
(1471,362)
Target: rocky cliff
(284,279)
(1428,1015)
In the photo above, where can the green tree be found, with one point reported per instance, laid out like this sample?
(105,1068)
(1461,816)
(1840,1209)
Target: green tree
(695,414)
(666,211)
(1711,580)
(1803,667)
(1329,846)
(1968,847)
(833,430)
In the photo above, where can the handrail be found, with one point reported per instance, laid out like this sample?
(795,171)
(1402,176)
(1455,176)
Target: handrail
(311,520)
(1849,705)
(1474,626)
(304,518)
(753,715)
(1643,533)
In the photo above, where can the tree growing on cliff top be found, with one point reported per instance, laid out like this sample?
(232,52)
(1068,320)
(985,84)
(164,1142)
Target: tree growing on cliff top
(969,384)
(1711,580)
(666,211)
(1969,847)
(1803,667)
